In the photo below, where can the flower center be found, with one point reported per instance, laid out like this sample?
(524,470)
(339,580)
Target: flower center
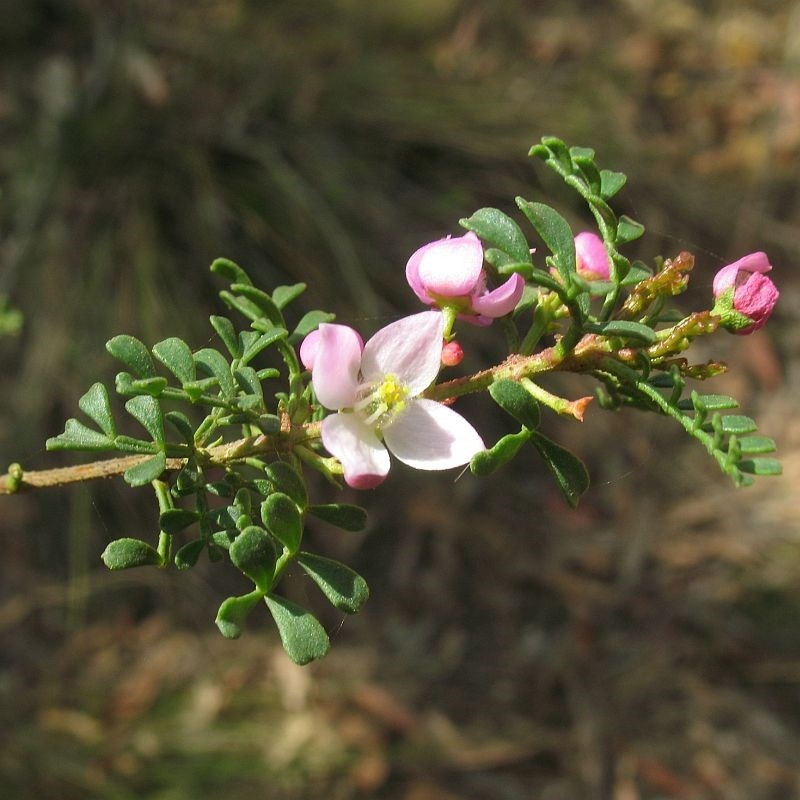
(382,401)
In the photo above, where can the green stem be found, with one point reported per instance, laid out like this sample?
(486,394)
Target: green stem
(164,504)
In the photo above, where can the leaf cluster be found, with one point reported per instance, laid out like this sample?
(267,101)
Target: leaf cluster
(236,478)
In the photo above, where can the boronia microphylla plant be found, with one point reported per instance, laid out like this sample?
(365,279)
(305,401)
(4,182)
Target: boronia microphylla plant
(228,462)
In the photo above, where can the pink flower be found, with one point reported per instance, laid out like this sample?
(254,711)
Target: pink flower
(592,259)
(449,272)
(375,388)
(744,296)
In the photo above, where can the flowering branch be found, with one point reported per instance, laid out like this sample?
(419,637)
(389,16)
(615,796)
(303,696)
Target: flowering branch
(232,464)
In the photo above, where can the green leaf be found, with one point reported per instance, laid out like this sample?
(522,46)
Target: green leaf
(582,154)
(555,149)
(636,274)
(707,402)
(310,322)
(511,267)
(176,356)
(755,445)
(261,302)
(501,452)
(555,233)
(261,342)
(303,638)
(628,229)
(514,399)
(182,425)
(285,478)
(126,384)
(127,444)
(214,364)
(583,160)
(127,553)
(78,436)
(713,402)
(187,556)
(499,230)
(146,471)
(96,405)
(568,470)
(344,588)
(248,381)
(283,520)
(546,281)
(761,466)
(611,182)
(624,329)
(346,517)
(735,423)
(283,295)
(226,331)
(231,271)
(233,612)
(147,412)
(174,520)
(131,352)
(253,552)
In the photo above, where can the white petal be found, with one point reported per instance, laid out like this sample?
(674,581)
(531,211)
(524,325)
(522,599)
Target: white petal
(410,348)
(364,458)
(429,435)
(336,356)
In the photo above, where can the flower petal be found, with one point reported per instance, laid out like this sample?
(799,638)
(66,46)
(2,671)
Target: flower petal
(729,276)
(412,274)
(308,349)
(410,349)
(592,258)
(448,268)
(429,435)
(502,300)
(336,356)
(364,459)
(756,299)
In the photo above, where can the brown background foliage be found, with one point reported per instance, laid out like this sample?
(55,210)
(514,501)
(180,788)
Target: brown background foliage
(646,645)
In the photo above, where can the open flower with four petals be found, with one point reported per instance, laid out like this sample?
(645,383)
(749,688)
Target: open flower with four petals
(376,389)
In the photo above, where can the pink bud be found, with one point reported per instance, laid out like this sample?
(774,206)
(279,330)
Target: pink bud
(744,296)
(591,257)
(452,354)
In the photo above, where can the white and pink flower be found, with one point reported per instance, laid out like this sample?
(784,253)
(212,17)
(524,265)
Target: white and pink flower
(449,272)
(376,389)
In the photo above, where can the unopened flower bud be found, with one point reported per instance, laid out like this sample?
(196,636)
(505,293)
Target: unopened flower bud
(452,354)
(744,296)
(592,261)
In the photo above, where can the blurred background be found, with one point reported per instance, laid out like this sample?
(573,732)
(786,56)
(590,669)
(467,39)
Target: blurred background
(646,645)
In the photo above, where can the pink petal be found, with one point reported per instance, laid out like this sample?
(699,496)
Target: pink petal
(429,435)
(410,349)
(448,267)
(308,349)
(364,459)
(756,300)
(412,275)
(725,279)
(336,357)
(502,300)
(727,276)
(592,258)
